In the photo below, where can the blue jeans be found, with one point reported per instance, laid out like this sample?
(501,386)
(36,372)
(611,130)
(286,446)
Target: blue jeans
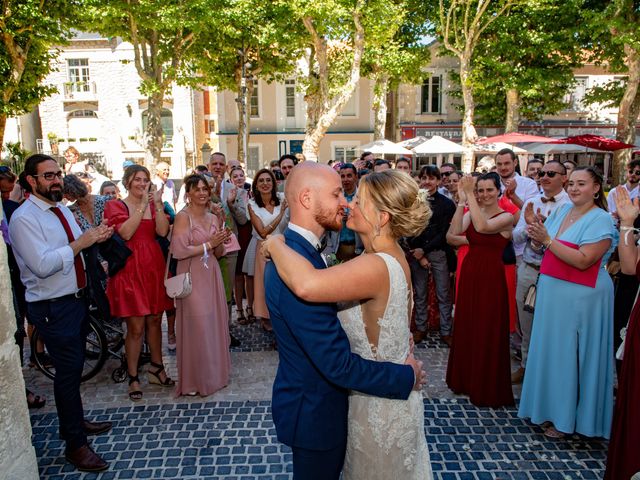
(62,324)
(420,280)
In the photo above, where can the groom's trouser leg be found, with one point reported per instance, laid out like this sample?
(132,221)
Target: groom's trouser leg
(317,464)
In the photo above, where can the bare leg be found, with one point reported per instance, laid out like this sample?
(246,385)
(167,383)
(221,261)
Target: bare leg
(249,290)
(132,347)
(154,338)
(171,328)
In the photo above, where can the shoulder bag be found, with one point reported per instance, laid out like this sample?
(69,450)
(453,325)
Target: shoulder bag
(178,286)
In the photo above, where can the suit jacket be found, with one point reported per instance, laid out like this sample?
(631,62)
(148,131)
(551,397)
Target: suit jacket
(317,368)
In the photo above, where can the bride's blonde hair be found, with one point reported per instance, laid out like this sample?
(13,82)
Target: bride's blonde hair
(397,194)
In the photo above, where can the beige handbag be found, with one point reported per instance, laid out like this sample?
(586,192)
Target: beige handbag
(530,297)
(178,286)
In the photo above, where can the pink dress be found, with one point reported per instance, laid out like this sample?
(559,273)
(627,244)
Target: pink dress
(202,319)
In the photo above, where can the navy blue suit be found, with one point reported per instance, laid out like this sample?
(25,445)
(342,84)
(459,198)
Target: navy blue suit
(315,373)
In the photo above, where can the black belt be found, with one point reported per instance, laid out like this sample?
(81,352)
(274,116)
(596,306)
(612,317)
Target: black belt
(348,242)
(532,265)
(79,294)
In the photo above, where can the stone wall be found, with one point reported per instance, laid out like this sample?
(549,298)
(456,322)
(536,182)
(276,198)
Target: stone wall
(17,455)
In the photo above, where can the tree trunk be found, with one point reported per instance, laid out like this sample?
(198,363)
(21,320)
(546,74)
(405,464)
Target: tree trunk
(627,115)
(392,128)
(513,111)
(380,90)
(153,134)
(3,124)
(244,98)
(469,134)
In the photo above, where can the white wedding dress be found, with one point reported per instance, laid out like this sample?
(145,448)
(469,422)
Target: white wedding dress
(386,437)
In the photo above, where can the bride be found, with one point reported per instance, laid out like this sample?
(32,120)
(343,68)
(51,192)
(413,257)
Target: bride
(385,437)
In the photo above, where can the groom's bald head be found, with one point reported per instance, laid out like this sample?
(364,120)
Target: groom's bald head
(314,195)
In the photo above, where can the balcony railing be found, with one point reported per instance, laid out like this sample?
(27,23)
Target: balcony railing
(79,90)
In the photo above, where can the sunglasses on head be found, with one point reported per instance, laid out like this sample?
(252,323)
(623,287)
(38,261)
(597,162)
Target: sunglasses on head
(542,173)
(634,172)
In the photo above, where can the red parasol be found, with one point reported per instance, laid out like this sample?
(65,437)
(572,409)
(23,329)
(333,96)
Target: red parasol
(515,137)
(595,141)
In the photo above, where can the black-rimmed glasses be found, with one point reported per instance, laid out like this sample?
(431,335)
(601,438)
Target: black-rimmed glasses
(634,172)
(50,175)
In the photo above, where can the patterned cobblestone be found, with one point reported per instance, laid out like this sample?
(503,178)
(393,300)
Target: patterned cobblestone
(236,440)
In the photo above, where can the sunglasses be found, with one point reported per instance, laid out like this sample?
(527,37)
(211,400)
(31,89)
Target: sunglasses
(50,175)
(542,173)
(634,172)
(446,174)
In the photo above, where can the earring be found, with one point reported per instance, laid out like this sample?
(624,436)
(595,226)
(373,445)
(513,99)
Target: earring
(376,229)
(596,196)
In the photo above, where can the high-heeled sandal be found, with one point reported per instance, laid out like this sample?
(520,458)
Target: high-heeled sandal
(250,316)
(240,318)
(134,395)
(154,377)
(37,402)
(266,324)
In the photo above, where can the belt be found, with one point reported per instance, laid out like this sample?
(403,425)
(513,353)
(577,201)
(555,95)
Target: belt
(533,265)
(348,242)
(79,294)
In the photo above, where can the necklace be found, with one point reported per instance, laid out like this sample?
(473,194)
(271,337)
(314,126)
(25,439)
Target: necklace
(573,218)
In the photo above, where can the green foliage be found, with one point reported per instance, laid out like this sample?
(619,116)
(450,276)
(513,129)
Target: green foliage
(533,49)
(29,30)
(15,156)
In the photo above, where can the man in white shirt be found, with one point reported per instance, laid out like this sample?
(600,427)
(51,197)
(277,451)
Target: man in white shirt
(517,188)
(552,179)
(162,181)
(633,179)
(47,243)
(445,171)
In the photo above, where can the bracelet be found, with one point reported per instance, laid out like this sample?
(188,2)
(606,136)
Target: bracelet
(548,244)
(461,205)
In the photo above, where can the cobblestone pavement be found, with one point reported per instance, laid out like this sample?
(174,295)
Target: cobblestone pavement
(230,435)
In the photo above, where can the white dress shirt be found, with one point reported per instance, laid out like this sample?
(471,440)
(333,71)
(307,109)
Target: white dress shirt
(308,235)
(169,192)
(546,208)
(42,250)
(526,189)
(611,197)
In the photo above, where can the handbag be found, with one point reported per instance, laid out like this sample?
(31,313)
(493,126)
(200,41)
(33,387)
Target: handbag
(554,267)
(178,286)
(530,298)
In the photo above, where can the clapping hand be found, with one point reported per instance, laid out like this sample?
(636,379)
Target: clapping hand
(232,195)
(627,209)
(531,217)
(220,237)
(96,235)
(538,232)
(269,243)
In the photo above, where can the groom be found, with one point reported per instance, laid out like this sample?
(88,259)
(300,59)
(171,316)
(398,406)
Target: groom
(317,369)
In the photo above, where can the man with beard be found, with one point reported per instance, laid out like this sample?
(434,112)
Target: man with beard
(317,368)
(47,243)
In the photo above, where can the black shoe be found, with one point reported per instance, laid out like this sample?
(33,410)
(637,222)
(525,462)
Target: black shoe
(234,341)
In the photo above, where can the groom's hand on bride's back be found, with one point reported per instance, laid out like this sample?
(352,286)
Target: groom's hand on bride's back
(419,374)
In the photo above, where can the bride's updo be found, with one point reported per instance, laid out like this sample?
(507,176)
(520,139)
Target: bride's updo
(397,194)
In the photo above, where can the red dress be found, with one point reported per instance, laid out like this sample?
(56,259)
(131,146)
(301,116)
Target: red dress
(623,460)
(479,359)
(510,270)
(138,289)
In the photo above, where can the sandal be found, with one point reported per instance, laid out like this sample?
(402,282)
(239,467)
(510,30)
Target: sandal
(36,402)
(241,319)
(551,432)
(266,324)
(154,377)
(134,395)
(250,316)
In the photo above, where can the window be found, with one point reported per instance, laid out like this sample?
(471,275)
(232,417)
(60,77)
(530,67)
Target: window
(576,97)
(290,96)
(78,70)
(166,121)
(344,153)
(83,114)
(254,101)
(431,98)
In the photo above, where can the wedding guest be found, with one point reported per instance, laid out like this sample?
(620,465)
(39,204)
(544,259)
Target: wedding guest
(479,360)
(243,283)
(569,165)
(552,179)
(568,386)
(164,184)
(87,208)
(623,460)
(403,164)
(446,169)
(266,210)
(533,167)
(136,293)
(73,163)
(109,189)
(428,255)
(286,164)
(381,165)
(202,323)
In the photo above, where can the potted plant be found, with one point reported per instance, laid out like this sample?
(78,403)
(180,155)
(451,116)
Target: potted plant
(53,141)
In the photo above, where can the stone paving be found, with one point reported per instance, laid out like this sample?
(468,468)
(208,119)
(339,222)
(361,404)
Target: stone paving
(230,435)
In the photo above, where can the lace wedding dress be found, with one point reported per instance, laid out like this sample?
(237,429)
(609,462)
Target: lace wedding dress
(386,437)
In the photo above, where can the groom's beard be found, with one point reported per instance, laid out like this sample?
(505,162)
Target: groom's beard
(329,219)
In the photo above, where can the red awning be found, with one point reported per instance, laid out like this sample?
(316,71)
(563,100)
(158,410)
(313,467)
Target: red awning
(595,141)
(515,137)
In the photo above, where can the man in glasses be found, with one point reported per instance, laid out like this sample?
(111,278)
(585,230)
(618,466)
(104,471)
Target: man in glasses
(552,178)
(47,243)
(446,170)
(633,178)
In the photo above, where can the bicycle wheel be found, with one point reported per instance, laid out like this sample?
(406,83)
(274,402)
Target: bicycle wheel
(96,352)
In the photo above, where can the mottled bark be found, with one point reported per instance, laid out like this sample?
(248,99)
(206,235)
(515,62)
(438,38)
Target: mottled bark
(380,90)
(513,111)
(153,134)
(469,134)
(3,124)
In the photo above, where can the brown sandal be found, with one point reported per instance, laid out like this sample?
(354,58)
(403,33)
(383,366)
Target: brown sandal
(241,319)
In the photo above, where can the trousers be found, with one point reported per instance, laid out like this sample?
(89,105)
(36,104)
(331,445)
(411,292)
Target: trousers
(420,280)
(62,325)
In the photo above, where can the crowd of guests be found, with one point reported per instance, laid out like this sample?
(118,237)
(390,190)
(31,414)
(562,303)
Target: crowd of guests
(517,264)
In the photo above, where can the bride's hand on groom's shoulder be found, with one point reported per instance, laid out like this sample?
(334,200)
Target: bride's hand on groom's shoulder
(419,374)
(268,244)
